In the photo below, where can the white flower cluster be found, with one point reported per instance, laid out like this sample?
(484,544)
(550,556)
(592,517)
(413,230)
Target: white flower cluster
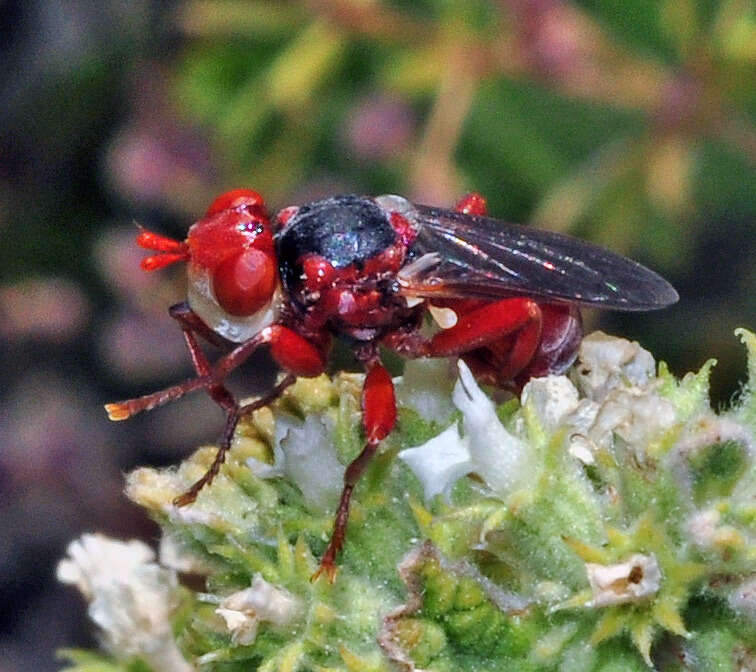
(615,395)
(131,598)
(486,447)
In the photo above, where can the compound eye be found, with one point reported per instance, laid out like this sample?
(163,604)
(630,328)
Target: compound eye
(245,283)
(233,199)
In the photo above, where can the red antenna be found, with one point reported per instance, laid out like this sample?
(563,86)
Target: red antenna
(170,250)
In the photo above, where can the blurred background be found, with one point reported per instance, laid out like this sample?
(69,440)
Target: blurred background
(628,122)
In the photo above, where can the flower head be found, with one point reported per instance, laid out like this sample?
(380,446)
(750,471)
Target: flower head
(131,598)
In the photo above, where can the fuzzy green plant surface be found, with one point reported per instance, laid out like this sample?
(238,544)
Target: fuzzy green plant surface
(604,521)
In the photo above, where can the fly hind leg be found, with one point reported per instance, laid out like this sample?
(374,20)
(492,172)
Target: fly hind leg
(502,360)
(519,319)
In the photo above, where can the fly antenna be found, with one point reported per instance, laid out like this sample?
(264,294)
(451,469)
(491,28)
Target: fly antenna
(169,250)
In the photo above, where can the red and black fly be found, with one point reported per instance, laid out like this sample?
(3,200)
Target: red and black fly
(506,299)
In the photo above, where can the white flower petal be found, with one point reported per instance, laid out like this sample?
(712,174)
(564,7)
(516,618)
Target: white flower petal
(263,469)
(96,560)
(502,460)
(581,449)
(440,462)
(426,387)
(268,601)
(176,554)
(283,423)
(304,453)
(311,463)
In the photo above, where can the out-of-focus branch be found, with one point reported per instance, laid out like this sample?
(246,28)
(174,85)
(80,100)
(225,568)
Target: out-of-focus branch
(219,18)
(371,19)
(434,175)
(556,43)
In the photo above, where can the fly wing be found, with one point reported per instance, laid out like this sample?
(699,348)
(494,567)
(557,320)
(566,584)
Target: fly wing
(464,256)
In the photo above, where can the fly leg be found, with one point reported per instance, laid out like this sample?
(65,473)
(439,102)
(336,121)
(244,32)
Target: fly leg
(233,414)
(290,350)
(497,339)
(472,204)
(484,326)
(560,341)
(190,321)
(378,419)
(294,353)
(190,326)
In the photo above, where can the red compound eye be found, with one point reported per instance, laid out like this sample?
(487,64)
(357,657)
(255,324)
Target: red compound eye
(234,198)
(245,283)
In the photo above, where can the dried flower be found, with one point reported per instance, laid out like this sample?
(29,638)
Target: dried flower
(608,363)
(631,581)
(244,610)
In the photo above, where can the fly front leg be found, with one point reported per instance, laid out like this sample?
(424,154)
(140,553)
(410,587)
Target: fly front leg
(190,321)
(218,392)
(191,325)
(378,419)
(293,352)
(232,420)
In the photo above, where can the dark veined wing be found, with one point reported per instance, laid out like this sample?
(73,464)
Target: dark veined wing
(464,256)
